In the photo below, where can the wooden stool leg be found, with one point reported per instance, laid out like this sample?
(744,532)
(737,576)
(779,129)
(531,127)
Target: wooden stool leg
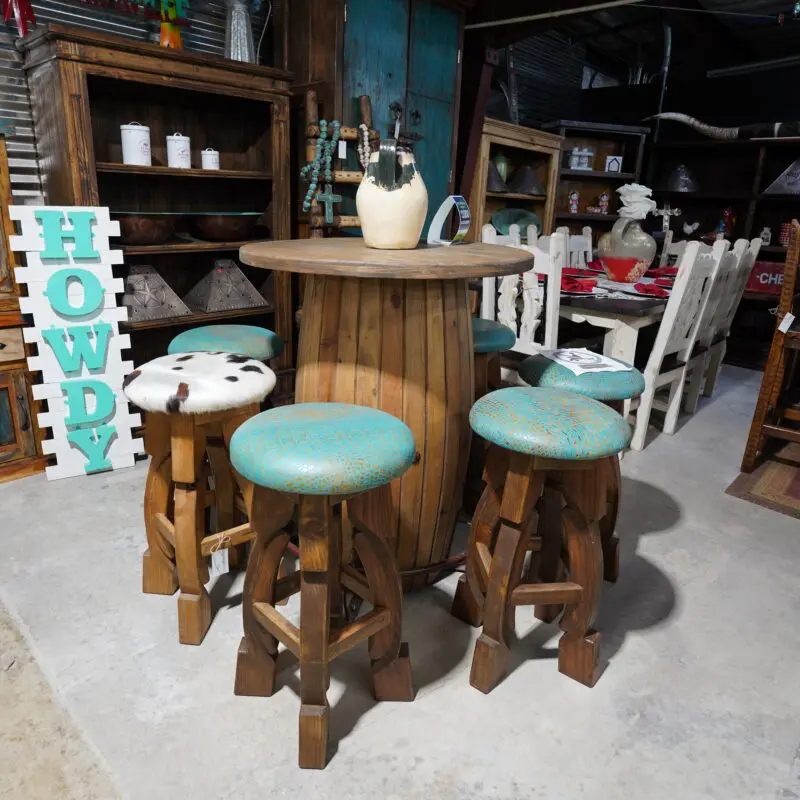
(551,532)
(316,559)
(391,665)
(579,647)
(224,497)
(159,575)
(608,523)
(478,446)
(194,605)
(471,587)
(269,512)
(522,488)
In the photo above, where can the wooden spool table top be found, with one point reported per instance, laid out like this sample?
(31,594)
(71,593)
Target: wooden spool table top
(350,257)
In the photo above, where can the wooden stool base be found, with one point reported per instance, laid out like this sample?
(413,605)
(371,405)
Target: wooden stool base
(550,509)
(317,641)
(186,453)
(158,576)
(194,617)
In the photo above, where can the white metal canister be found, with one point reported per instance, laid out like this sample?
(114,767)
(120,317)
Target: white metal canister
(209,158)
(179,153)
(135,144)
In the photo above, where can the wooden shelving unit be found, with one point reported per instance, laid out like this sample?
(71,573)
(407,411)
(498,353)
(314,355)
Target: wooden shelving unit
(85,85)
(603,140)
(522,146)
(133,169)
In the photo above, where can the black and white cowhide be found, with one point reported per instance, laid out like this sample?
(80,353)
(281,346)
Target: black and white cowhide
(195,383)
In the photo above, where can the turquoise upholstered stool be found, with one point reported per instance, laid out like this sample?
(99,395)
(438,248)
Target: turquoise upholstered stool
(261,344)
(542,479)
(613,389)
(314,456)
(489,336)
(608,387)
(489,339)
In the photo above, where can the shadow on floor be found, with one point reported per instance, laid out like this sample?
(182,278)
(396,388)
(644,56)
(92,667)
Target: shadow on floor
(642,598)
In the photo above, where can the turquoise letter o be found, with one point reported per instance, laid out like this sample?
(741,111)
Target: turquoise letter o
(57,291)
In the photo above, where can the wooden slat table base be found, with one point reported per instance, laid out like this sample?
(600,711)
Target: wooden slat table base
(404,347)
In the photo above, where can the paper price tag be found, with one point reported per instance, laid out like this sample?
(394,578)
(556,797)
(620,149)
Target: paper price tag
(219,563)
(342,148)
(786,323)
(440,218)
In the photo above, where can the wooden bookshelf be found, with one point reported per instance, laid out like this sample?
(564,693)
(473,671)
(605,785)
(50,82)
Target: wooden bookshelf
(84,85)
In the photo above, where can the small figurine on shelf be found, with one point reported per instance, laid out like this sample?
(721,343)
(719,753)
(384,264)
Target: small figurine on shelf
(719,232)
(785,234)
(728,221)
(173,15)
(574,202)
(602,202)
(766,236)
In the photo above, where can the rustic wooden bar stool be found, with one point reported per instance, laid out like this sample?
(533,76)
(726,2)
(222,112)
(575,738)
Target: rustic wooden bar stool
(261,344)
(314,456)
(613,389)
(191,400)
(547,448)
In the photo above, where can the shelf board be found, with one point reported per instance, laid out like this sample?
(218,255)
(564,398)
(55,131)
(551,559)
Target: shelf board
(773,248)
(775,196)
(587,217)
(514,196)
(597,173)
(721,195)
(194,319)
(133,169)
(764,297)
(182,246)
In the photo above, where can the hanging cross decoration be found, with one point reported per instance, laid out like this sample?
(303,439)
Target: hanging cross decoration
(328,198)
(665,213)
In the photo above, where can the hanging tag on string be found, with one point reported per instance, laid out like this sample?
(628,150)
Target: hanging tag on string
(342,148)
(786,323)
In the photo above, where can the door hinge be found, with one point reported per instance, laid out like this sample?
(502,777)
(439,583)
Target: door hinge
(345,12)
(458,59)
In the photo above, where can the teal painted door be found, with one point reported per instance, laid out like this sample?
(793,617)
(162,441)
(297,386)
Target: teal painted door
(431,95)
(375,58)
(408,57)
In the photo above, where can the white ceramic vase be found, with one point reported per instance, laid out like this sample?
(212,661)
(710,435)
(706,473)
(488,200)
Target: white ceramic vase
(392,200)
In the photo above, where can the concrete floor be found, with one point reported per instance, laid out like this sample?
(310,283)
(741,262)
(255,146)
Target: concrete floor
(699,698)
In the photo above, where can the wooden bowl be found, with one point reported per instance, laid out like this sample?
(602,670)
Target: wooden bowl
(146,228)
(222,227)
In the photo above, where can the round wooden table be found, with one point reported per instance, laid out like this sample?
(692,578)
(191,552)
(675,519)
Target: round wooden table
(391,329)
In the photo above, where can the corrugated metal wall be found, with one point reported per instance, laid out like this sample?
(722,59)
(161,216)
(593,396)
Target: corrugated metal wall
(549,75)
(206,34)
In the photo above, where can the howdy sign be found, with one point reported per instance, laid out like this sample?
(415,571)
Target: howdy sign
(71,295)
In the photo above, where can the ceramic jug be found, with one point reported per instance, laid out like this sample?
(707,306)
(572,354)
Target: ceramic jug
(392,200)
(626,251)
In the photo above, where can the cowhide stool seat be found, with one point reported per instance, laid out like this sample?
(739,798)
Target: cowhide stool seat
(489,339)
(258,343)
(312,457)
(194,403)
(542,481)
(613,389)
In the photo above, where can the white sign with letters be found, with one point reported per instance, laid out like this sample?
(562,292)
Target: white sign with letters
(71,296)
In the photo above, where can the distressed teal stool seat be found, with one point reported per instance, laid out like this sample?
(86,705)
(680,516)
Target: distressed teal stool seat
(544,492)
(613,389)
(489,339)
(261,344)
(313,457)
(489,336)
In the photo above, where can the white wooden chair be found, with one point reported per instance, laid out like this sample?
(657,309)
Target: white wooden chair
(500,299)
(714,310)
(671,249)
(676,337)
(727,311)
(579,247)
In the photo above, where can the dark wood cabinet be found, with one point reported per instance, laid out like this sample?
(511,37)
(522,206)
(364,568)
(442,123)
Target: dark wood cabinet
(84,85)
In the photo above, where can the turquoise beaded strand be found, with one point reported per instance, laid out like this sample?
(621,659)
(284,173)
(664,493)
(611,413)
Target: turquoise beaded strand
(323,158)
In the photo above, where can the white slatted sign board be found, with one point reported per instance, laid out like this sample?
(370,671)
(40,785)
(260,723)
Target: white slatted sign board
(72,298)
